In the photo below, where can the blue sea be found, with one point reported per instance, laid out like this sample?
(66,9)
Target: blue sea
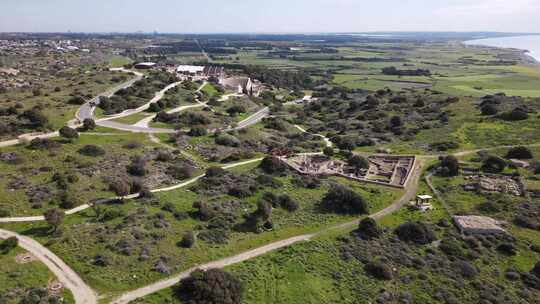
(529,43)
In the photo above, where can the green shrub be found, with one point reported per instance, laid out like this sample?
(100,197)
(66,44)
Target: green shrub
(368,229)
(342,199)
(9,244)
(415,232)
(227,140)
(92,150)
(379,270)
(519,153)
(213,286)
(68,132)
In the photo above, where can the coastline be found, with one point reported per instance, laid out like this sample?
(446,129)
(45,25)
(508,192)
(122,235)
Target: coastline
(525,54)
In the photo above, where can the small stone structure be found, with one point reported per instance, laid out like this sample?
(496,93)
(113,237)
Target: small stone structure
(520,163)
(384,170)
(496,183)
(422,203)
(474,224)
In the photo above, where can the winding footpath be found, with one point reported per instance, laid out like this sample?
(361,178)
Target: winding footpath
(83,207)
(85,111)
(82,293)
(327,141)
(411,189)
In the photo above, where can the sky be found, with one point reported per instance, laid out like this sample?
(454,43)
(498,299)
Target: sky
(270,16)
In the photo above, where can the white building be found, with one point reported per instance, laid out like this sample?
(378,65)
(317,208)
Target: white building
(145,65)
(190,69)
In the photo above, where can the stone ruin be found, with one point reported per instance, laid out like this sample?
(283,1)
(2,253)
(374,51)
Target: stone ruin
(474,224)
(495,183)
(383,169)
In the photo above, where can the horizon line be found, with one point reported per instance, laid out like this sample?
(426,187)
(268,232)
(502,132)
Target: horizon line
(266,33)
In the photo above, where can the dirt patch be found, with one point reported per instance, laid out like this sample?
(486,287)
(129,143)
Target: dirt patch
(55,287)
(25,258)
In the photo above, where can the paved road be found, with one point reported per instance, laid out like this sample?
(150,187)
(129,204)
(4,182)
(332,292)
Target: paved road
(142,125)
(253,119)
(157,97)
(412,187)
(82,293)
(87,109)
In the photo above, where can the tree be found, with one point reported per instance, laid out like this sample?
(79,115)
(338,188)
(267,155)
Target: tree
(415,232)
(515,115)
(342,199)
(449,166)
(137,166)
(213,286)
(519,153)
(489,109)
(536,270)
(54,217)
(368,229)
(35,117)
(9,244)
(379,270)
(346,143)
(328,151)
(89,124)
(154,107)
(494,164)
(395,122)
(197,131)
(180,171)
(120,187)
(264,210)
(68,132)
(215,171)
(227,140)
(358,162)
(188,240)
(287,203)
(272,165)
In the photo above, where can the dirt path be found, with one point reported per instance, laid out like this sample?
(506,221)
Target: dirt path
(85,110)
(82,293)
(412,188)
(80,208)
(437,193)
(327,141)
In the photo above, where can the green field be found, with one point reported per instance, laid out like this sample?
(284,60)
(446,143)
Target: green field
(17,277)
(114,278)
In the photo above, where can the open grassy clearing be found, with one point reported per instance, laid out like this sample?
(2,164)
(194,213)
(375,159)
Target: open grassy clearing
(17,277)
(132,119)
(117,61)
